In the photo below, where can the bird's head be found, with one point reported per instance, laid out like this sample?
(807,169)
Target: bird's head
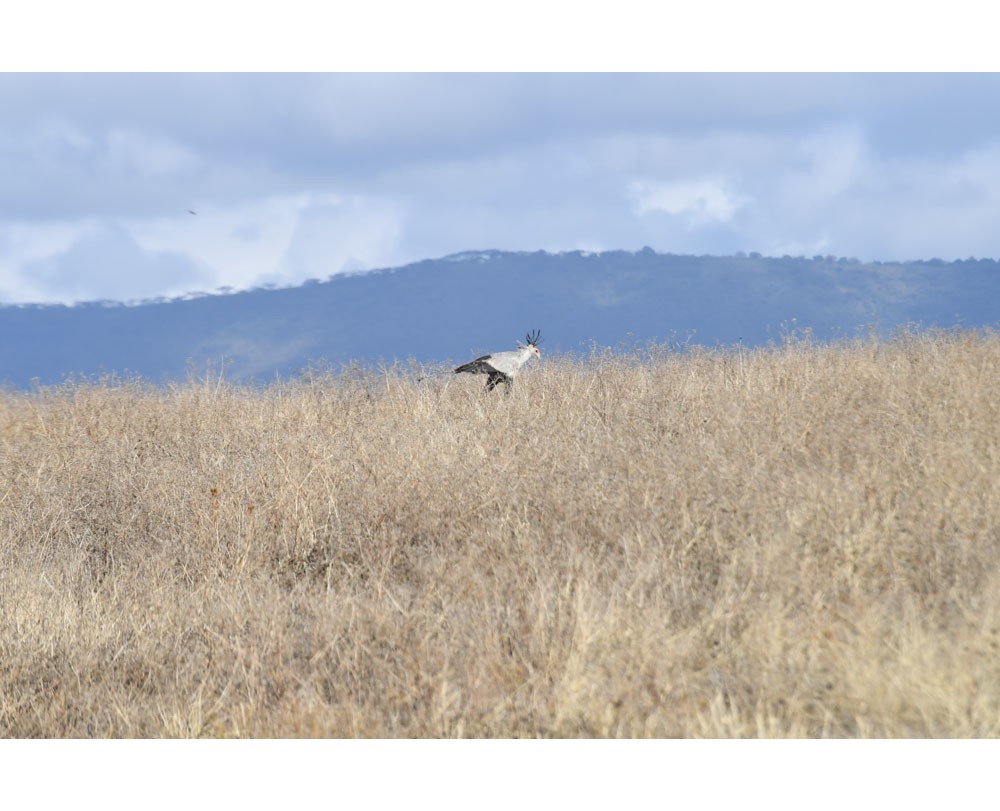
(533,339)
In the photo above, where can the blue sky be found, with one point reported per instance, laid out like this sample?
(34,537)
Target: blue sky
(297,176)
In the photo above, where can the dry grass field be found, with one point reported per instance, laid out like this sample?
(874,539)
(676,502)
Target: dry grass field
(802,540)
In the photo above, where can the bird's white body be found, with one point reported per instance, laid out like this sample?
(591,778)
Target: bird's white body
(503,367)
(510,363)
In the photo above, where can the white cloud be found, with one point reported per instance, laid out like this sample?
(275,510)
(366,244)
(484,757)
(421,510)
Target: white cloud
(22,243)
(333,235)
(104,262)
(821,166)
(304,176)
(281,239)
(700,201)
(242,244)
(947,208)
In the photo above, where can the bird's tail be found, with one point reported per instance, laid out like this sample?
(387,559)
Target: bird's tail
(433,374)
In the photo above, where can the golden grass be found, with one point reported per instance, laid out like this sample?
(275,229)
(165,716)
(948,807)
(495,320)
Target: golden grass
(796,541)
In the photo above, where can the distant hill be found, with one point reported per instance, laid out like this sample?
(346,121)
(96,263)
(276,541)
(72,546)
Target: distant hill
(452,308)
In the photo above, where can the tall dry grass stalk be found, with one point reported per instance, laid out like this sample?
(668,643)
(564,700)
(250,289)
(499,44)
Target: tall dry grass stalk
(796,541)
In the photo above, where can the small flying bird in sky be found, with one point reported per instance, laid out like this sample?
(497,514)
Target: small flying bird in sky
(192,212)
(502,367)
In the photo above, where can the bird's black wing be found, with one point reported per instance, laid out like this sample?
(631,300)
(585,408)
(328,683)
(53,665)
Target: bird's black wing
(478,366)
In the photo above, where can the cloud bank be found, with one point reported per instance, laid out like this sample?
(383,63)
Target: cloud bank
(298,176)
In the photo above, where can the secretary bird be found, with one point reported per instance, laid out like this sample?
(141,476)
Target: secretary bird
(502,367)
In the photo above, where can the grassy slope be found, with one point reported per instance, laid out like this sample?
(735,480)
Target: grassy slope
(799,541)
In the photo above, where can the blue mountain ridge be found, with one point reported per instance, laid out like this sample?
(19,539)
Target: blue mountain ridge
(450,309)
